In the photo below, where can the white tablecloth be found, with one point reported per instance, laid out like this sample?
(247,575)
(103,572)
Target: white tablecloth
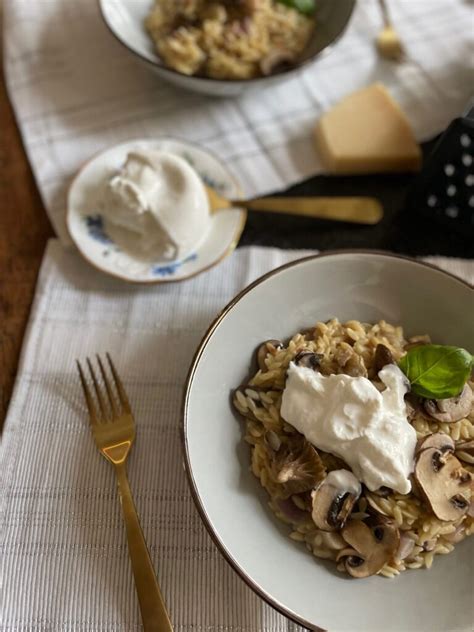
(76,90)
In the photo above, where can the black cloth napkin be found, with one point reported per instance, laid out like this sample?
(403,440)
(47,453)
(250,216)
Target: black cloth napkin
(402,230)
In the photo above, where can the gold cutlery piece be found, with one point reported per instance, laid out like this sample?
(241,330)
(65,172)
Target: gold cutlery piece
(360,210)
(113,428)
(390,46)
(388,43)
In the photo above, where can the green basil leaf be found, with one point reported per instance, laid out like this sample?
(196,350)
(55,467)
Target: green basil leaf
(437,371)
(306,7)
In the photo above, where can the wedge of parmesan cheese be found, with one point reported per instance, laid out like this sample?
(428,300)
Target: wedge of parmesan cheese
(367,133)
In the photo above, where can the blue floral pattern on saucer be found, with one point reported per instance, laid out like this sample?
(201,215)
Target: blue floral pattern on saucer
(171,268)
(96,230)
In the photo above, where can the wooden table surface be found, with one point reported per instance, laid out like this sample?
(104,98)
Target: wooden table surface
(24,231)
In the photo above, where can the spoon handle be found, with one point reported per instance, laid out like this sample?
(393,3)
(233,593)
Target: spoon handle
(360,210)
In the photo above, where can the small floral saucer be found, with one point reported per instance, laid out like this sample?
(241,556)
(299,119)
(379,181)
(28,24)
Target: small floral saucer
(88,228)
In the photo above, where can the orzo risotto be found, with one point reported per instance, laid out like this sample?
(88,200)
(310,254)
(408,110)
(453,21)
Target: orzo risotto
(236,39)
(365,467)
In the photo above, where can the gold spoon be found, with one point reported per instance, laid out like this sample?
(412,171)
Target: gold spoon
(360,210)
(388,43)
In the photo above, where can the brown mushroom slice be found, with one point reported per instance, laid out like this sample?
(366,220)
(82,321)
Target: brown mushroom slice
(308,359)
(371,548)
(297,466)
(444,483)
(412,406)
(382,357)
(438,440)
(470,510)
(416,341)
(451,409)
(276,59)
(264,349)
(334,499)
(350,558)
(310,333)
(333,540)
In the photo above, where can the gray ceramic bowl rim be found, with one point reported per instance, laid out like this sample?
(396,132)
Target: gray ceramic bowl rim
(284,71)
(187,388)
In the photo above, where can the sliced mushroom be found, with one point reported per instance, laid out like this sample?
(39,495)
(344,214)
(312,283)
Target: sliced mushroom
(264,349)
(297,467)
(308,359)
(416,341)
(465,451)
(334,499)
(276,59)
(310,333)
(412,406)
(451,409)
(444,483)
(333,540)
(382,357)
(249,5)
(438,440)
(350,558)
(371,548)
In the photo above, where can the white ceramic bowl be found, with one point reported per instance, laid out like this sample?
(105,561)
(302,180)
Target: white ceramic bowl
(233,506)
(125,20)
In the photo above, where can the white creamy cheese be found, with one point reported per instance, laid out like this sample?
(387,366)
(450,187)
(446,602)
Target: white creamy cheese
(159,205)
(343,479)
(348,417)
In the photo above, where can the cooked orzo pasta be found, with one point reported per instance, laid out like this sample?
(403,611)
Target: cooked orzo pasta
(364,532)
(227,39)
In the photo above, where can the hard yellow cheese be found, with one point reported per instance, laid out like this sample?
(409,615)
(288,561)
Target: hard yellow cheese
(367,133)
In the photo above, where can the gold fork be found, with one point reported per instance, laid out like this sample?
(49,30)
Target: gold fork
(390,46)
(113,429)
(388,42)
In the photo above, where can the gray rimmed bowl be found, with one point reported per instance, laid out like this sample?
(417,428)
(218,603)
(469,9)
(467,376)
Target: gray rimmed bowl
(125,20)
(233,506)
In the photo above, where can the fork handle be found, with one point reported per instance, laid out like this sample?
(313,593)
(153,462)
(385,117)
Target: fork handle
(385,15)
(152,606)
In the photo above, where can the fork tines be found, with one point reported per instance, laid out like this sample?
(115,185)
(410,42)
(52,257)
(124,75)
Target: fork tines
(103,408)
